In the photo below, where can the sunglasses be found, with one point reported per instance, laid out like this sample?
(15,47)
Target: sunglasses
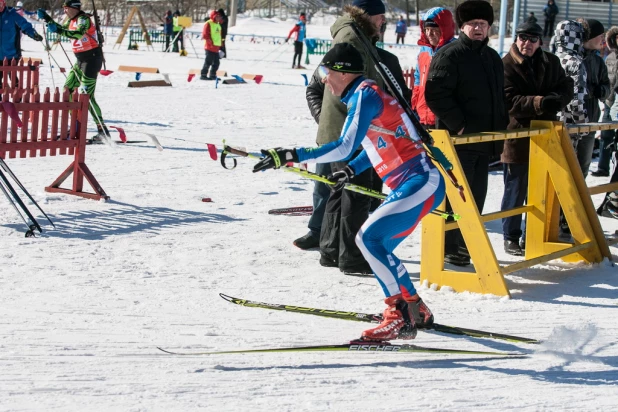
(323,71)
(525,37)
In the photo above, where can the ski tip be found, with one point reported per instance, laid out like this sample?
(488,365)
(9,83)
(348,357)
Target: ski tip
(226,297)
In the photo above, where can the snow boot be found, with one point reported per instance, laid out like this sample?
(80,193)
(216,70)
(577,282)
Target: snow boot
(392,322)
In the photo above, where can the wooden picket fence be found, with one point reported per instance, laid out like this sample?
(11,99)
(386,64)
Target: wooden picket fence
(19,74)
(52,124)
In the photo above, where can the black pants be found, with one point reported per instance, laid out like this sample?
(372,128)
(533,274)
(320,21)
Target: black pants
(548,30)
(298,51)
(476,169)
(179,38)
(345,213)
(212,62)
(168,39)
(223,49)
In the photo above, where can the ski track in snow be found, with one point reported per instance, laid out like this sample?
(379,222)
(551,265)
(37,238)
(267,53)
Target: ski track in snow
(84,306)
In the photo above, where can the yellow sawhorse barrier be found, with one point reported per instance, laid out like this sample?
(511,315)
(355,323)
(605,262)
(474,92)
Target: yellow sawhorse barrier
(555,179)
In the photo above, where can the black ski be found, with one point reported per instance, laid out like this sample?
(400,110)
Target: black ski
(292,211)
(373,318)
(95,142)
(353,346)
(21,186)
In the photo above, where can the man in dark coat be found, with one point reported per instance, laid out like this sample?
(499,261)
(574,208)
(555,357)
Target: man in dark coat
(465,91)
(536,88)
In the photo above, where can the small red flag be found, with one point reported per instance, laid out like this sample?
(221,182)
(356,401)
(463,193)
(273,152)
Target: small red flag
(191,76)
(212,150)
(10,109)
(258,78)
(123,135)
(106,72)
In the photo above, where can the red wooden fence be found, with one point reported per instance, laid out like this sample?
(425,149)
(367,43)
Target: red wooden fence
(19,74)
(53,125)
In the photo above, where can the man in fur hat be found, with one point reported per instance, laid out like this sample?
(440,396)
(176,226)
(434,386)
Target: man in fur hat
(465,90)
(536,88)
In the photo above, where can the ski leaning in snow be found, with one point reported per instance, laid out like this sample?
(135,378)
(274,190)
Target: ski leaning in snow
(16,201)
(373,318)
(353,346)
(292,211)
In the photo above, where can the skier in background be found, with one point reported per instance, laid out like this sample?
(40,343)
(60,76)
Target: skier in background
(300,30)
(392,146)
(88,53)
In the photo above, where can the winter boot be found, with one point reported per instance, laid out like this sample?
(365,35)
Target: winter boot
(392,322)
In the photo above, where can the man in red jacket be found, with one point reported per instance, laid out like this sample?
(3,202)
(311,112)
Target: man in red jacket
(211,34)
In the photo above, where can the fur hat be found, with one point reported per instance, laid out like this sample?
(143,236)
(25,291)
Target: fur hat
(371,7)
(474,10)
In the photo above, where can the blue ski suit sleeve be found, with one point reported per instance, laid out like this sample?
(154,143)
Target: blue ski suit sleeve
(364,105)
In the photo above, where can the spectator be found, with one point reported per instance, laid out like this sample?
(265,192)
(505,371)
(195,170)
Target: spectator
(536,88)
(168,29)
(211,34)
(11,26)
(346,211)
(610,106)
(597,85)
(401,29)
(321,191)
(437,29)
(300,31)
(405,168)
(550,11)
(465,90)
(532,18)
(179,33)
(224,22)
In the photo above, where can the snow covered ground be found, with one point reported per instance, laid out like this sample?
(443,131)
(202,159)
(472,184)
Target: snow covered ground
(83,307)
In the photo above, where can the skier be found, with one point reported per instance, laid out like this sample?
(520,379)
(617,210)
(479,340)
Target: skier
(88,53)
(376,121)
(301,31)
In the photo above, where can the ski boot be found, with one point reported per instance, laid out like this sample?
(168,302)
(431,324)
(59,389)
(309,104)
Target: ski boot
(392,322)
(416,316)
(101,137)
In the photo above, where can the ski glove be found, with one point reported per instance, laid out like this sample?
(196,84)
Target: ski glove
(37,37)
(275,158)
(42,14)
(52,27)
(551,103)
(340,178)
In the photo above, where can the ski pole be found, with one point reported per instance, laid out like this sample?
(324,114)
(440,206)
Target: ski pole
(48,50)
(319,178)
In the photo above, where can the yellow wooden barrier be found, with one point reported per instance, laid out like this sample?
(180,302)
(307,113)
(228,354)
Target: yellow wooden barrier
(555,179)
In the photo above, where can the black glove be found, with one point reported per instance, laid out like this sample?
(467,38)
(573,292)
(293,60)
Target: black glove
(341,177)
(598,91)
(275,158)
(37,37)
(551,103)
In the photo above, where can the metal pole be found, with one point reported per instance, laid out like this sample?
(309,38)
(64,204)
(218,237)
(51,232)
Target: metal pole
(516,7)
(502,28)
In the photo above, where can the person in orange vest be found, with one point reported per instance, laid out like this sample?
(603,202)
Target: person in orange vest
(211,34)
(83,75)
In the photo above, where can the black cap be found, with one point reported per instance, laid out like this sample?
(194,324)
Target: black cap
(343,57)
(75,4)
(532,29)
(596,28)
(430,23)
(371,7)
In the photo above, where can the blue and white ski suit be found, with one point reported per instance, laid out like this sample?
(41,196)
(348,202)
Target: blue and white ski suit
(390,143)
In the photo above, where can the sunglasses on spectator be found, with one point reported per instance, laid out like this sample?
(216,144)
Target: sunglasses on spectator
(526,37)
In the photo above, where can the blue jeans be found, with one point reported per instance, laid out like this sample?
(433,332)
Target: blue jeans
(321,193)
(583,149)
(515,193)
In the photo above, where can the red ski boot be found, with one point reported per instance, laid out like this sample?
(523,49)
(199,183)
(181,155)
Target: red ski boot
(391,324)
(415,314)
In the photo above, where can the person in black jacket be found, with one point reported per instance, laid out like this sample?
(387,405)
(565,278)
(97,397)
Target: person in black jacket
(465,91)
(223,24)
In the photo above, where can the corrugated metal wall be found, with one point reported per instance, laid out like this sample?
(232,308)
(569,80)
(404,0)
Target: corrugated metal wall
(606,13)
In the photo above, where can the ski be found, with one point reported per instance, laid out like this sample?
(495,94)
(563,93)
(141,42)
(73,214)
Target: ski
(353,346)
(292,211)
(23,189)
(374,318)
(9,192)
(100,142)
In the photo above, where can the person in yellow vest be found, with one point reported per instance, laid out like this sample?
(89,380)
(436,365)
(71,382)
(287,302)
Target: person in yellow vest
(82,31)
(211,34)
(178,33)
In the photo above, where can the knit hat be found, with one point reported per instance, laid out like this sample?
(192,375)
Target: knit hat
(74,4)
(595,28)
(532,29)
(474,10)
(343,57)
(371,7)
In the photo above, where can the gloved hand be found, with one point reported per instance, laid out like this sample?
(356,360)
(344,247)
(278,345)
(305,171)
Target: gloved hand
(37,37)
(52,27)
(551,103)
(275,158)
(287,40)
(41,13)
(341,177)
(598,91)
